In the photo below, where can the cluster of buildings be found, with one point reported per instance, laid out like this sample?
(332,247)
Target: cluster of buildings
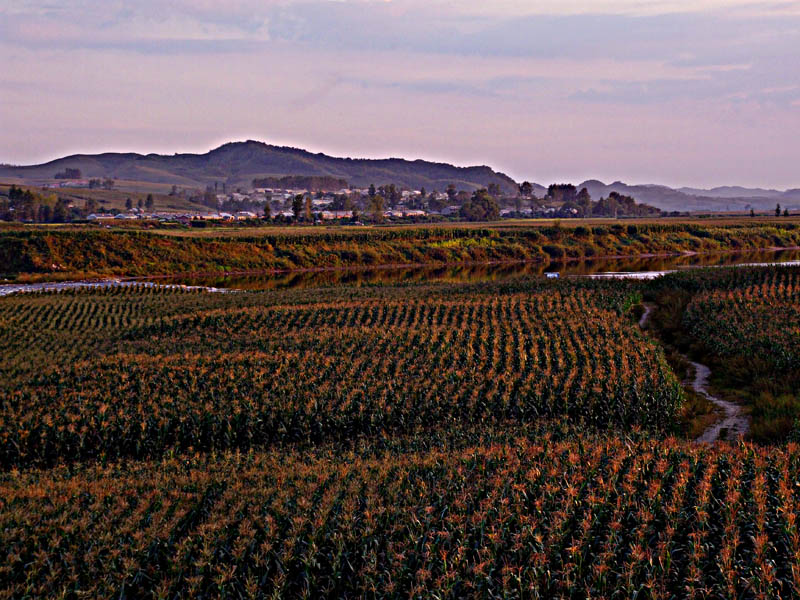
(135,214)
(340,205)
(344,203)
(529,212)
(68,183)
(242,204)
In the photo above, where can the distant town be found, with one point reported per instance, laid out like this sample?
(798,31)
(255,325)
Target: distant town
(252,181)
(68,197)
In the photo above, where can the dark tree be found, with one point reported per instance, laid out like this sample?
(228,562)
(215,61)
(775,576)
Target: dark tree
(376,208)
(297,206)
(44,214)
(149,202)
(778,210)
(128,204)
(391,193)
(526,189)
(342,202)
(562,192)
(397,194)
(312,183)
(69,173)
(60,212)
(210,199)
(372,190)
(584,202)
(481,207)
(435,203)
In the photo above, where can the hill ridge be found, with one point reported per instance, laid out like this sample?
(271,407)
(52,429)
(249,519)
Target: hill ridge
(238,163)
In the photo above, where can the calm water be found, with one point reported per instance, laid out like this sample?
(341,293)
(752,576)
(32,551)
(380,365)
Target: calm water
(642,268)
(639,268)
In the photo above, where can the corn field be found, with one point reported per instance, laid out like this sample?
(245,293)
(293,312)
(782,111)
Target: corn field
(530,518)
(228,377)
(497,440)
(760,318)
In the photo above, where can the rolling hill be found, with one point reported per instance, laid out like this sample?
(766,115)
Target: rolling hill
(238,163)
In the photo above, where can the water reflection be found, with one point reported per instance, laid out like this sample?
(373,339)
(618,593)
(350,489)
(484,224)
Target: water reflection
(641,266)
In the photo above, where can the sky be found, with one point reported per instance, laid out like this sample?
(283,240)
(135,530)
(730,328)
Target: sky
(699,93)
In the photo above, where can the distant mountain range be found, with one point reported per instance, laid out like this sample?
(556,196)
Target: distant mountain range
(720,199)
(238,163)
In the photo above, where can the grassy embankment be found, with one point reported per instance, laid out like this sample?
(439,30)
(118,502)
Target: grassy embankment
(62,253)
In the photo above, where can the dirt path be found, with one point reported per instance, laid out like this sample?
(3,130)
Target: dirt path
(648,310)
(733,423)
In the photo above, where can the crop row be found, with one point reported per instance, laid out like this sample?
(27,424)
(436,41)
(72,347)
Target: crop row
(534,518)
(750,334)
(760,320)
(256,376)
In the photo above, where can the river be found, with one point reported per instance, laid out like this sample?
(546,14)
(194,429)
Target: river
(618,268)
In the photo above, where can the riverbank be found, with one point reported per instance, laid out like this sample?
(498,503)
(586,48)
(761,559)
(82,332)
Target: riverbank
(57,286)
(638,268)
(39,255)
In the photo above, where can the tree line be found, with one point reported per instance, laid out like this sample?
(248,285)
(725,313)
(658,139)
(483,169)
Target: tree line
(26,205)
(306,182)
